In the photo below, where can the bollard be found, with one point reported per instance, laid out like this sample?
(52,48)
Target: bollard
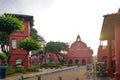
(39,77)
(59,78)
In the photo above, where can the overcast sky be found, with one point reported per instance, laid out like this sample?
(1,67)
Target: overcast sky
(63,20)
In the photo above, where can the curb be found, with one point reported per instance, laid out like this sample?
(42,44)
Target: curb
(46,73)
(39,74)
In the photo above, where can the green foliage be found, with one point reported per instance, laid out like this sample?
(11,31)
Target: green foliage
(20,69)
(56,47)
(4,38)
(10,70)
(13,70)
(33,69)
(3,56)
(34,34)
(29,44)
(52,64)
(10,24)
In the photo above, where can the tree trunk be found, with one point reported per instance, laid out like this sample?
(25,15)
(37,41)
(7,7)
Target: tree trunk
(25,58)
(59,59)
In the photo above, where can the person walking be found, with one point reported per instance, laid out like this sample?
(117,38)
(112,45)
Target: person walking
(88,72)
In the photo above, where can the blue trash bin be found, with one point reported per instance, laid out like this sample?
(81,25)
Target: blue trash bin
(2,73)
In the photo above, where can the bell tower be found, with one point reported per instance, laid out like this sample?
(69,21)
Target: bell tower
(17,55)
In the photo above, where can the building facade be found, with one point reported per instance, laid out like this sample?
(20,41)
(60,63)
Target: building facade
(37,58)
(79,53)
(102,54)
(18,55)
(111,32)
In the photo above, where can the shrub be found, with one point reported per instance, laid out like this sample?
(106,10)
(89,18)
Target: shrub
(9,70)
(20,69)
(3,56)
(54,64)
(13,70)
(33,69)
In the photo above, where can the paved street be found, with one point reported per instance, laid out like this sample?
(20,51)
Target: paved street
(77,73)
(73,74)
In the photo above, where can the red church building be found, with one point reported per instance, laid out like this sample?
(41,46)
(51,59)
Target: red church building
(111,32)
(18,55)
(79,53)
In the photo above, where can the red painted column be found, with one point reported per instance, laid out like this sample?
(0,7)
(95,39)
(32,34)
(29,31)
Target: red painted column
(109,59)
(117,51)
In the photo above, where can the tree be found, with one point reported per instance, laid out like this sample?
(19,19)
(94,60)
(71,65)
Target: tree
(8,25)
(28,44)
(3,57)
(34,35)
(56,48)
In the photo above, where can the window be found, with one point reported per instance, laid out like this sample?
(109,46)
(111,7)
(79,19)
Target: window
(18,62)
(14,44)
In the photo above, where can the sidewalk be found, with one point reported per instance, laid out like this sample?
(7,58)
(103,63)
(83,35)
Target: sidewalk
(79,75)
(33,74)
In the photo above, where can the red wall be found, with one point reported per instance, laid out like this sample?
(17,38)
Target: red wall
(102,54)
(79,51)
(17,53)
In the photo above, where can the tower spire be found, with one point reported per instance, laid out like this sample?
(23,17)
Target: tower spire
(78,38)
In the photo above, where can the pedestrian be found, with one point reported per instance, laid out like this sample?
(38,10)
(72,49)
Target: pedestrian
(87,68)
(88,73)
(79,64)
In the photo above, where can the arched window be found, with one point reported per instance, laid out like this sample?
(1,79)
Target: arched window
(70,61)
(18,62)
(83,62)
(76,61)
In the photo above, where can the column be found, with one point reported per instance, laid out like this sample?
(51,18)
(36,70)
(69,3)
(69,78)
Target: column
(117,51)
(109,59)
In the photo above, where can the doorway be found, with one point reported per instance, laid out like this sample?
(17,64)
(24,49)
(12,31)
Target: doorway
(83,62)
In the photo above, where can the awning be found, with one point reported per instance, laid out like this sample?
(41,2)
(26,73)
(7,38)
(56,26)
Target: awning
(107,31)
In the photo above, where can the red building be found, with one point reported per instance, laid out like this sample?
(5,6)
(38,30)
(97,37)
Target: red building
(111,32)
(79,53)
(18,55)
(36,58)
(102,54)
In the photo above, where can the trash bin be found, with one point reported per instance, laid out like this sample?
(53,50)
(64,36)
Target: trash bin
(2,73)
